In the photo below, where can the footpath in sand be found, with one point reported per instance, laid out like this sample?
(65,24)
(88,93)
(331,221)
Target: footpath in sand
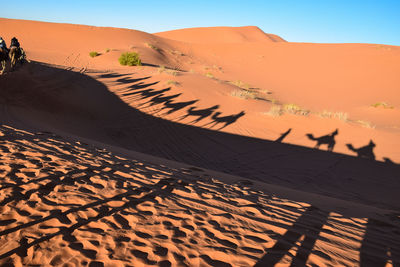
(172,164)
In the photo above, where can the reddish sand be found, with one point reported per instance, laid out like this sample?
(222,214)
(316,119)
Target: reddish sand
(201,156)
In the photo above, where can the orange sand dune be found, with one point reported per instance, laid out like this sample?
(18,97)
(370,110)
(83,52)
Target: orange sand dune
(196,158)
(224,35)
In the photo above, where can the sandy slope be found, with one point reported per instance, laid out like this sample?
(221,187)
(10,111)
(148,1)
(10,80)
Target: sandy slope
(224,35)
(284,200)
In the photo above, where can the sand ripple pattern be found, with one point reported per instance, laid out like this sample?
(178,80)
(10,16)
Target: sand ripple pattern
(67,203)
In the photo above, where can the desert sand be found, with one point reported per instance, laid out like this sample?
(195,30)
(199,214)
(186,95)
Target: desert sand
(203,156)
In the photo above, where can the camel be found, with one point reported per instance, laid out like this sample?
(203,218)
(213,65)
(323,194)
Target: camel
(16,55)
(3,59)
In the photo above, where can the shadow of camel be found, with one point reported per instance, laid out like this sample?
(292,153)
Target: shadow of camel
(366,152)
(328,140)
(225,120)
(200,113)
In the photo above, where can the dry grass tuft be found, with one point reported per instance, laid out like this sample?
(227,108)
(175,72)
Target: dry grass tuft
(278,110)
(366,124)
(177,53)
(334,115)
(153,47)
(210,75)
(163,69)
(382,104)
(295,109)
(172,82)
(244,94)
(240,84)
(275,111)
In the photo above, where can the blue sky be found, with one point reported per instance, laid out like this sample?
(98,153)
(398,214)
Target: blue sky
(321,21)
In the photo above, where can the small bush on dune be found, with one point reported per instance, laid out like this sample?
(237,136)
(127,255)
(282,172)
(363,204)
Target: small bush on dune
(94,54)
(130,59)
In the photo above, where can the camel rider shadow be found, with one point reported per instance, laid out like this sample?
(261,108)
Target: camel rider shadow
(225,120)
(366,152)
(328,140)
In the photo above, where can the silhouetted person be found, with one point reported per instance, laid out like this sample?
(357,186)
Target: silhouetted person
(200,113)
(328,140)
(227,120)
(3,44)
(14,42)
(283,135)
(365,151)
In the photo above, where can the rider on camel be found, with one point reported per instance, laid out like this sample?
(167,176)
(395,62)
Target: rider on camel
(3,44)
(14,42)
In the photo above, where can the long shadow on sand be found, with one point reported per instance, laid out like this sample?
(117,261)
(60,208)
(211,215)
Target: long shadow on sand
(111,121)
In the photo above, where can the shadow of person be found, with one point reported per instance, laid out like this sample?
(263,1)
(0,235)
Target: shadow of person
(301,227)
(200,113)
(226,120)
(283,135)
(375,253)
(328,139)
(366,152)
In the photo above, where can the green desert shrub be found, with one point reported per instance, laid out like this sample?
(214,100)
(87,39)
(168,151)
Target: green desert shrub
(94,54)
(130,59)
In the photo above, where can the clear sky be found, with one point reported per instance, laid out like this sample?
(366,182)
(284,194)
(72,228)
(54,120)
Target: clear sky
(321,21)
